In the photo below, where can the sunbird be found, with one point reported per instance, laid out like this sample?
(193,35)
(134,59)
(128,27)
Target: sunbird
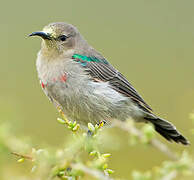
(80,81)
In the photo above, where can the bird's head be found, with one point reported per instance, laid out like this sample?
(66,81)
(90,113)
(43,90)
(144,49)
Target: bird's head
(59,37)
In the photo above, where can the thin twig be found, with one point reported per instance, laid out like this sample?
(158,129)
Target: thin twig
(22,156)
(170,176)
(163,148)
(93,172)
(154,142)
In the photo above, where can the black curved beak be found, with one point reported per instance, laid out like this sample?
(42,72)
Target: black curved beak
(41,34)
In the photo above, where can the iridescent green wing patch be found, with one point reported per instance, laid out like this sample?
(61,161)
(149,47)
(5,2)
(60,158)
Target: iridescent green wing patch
(84,59)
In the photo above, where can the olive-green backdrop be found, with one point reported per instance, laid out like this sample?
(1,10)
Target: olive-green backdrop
(150,41)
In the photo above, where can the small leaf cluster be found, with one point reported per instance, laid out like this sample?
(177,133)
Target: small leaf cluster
(81,157)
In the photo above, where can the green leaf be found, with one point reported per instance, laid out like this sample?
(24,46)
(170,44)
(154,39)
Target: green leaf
(60,120)
(91,127)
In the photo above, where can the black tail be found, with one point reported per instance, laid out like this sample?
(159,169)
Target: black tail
(167,130)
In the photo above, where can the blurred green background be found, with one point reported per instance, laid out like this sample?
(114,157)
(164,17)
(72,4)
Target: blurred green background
(150,41)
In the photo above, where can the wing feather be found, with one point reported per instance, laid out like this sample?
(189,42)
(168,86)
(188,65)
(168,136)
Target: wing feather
(105,72)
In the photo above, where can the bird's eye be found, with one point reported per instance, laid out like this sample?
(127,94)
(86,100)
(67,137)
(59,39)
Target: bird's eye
(63,37)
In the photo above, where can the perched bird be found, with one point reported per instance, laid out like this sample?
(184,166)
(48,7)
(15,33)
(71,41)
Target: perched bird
(79,80)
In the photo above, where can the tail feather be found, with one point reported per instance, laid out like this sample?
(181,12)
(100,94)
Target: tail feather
(167,130)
